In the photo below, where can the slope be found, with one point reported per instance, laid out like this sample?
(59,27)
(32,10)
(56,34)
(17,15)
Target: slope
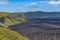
(6,34)
(7,19)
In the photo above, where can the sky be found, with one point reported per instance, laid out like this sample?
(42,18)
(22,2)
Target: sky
(29,5)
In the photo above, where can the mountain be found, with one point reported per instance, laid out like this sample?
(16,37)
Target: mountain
(30,24)
(40,14)
(7,19)
(40,24)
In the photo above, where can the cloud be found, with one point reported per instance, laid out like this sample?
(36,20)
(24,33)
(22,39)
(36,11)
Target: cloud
(3,1)
(33,3)
(58,2)
(54,2)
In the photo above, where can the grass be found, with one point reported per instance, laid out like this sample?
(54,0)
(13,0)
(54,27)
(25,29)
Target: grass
(6,34)
(7,19)
(4,14)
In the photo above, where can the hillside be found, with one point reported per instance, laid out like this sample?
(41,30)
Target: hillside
(6,34)
(7,19)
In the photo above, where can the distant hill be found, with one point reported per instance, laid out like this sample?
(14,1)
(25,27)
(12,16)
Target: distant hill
(40,14)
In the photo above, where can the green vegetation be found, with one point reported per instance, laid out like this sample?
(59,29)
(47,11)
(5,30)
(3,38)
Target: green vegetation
(9,19)
(4,14)
(6,34)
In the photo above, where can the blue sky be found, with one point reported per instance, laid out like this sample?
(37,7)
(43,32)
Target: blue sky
(29,5)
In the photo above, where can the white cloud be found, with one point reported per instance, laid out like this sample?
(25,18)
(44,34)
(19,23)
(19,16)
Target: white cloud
(54,2)
(58,2)
(33,3)
(51,2)
(3,1)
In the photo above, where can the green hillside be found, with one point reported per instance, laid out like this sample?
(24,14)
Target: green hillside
(7,19)
(6,34)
